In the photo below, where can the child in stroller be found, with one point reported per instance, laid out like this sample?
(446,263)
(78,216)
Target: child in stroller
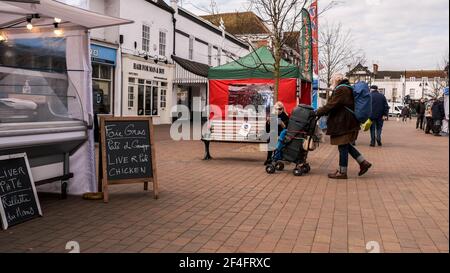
(296,141)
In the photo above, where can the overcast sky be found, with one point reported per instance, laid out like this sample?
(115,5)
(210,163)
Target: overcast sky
(398,35)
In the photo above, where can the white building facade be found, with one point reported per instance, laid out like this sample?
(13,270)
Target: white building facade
(143,73)
(134,72)
(397,85)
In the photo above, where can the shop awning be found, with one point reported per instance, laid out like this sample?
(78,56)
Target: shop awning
(12,13)
(196,68)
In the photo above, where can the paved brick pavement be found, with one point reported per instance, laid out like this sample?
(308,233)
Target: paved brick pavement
(231,205)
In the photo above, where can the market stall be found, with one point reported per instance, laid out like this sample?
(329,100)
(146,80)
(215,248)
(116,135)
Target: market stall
(46,91)
(249,81)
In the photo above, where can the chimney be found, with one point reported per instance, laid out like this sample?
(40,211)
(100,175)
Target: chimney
(375,69)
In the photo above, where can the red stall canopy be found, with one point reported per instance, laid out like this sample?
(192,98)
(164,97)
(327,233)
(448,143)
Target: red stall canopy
(250,81)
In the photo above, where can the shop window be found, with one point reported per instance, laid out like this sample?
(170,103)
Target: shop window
(155,101)
(162,43)
(95,70)
(163,98)
(102,88)
(412,92)
(191,48)
(145,38)
(130,96)
(105,72)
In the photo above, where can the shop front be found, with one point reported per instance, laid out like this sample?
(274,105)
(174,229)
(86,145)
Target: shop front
(103,70)
(190,88)
(147,87)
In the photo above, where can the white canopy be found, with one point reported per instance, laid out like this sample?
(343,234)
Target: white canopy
(12,12)
(74,23)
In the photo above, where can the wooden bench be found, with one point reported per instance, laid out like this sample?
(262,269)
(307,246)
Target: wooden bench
(228,131)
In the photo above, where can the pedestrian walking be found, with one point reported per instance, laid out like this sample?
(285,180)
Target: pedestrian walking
(420,110)
(429,120)
(438,114)
(406,113)
(380,110)
(343,127)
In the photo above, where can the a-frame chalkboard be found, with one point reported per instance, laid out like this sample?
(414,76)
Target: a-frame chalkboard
(128,152)
(18,196)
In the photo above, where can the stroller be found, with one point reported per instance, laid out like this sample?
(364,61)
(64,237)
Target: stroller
(295,142)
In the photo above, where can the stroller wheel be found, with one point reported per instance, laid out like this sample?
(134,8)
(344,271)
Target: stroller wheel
(279,166)
(307,168)
(298,172)
(270,169)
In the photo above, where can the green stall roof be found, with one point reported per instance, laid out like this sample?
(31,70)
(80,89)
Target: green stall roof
(256,65)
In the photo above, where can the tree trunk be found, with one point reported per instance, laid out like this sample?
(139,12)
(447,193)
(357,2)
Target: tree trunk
(277,70)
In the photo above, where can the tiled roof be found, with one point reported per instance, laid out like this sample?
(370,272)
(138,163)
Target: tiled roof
(239,23)
(161,4)
(426,74)
(357,69)
(292,39)
(390,74)
(411,74)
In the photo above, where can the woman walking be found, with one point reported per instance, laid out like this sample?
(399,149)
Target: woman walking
(343,127)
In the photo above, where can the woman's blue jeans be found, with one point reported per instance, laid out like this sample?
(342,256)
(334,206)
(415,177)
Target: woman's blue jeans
(346,149)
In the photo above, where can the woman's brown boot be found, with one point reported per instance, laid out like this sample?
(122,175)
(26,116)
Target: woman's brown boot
(364,167)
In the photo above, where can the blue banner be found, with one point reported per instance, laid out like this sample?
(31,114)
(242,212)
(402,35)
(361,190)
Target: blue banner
(315,94)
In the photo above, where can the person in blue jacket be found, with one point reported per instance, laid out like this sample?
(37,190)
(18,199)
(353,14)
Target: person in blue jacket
(380,110)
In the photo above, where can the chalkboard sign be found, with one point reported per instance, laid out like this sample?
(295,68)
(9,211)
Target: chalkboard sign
(19,200)
(127,152)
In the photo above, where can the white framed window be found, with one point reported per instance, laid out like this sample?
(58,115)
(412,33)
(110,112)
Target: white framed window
(219,57)
(191,48)
(163,95)
(413,79)
(145,38)
(209,55)
(412,92)
(130,96)
(162,42)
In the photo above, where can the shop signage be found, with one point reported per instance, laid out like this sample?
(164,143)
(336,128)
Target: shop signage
(104,55)
(148,68)
(128,154)
(19,200)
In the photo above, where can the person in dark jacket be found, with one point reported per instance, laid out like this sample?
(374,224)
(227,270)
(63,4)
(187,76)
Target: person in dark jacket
(438,115)
(420,110)
(405,113)
(343,127)
(283,122)
(380,110)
